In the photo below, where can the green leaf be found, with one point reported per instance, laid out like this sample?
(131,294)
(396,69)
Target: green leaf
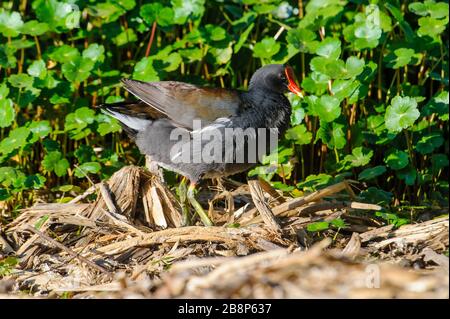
(299,134)
(242,38)
(397,160)
(372,172)
(35,181)
(302,39)
(86,168)
(84,153)
(437,10)
(35,28)
(439,105)
(109,11)
(408,174)
(4,195)
(431,27)
(327,107)
(429,142)
(144,71)
(59,15)
(332,134)
(265,49)
(317,226)
(21,81)
(315,182)
(187,9)
(377,196)
(37,69)
(401,57)
(95,52)
(17,138)
(50,145)
(354,67)
(7,112)
(360,157)
(338,223)
(213,33)
(77,122)
(64,53)
(126,4)
(439,161)
(126,36)
(10,23)
(222,56)
(78,69)
(401,114)
(54,162)
(4,91)
(329,48)
(107,124)
(40,129)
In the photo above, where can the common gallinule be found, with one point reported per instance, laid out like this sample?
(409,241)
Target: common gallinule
(166,109)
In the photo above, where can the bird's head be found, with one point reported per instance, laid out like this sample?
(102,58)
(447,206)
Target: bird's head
(275,77)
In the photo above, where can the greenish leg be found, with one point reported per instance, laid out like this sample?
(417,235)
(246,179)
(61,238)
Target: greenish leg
(198,208)
(183,197)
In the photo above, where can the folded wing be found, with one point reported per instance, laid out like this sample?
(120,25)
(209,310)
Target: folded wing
(182,103)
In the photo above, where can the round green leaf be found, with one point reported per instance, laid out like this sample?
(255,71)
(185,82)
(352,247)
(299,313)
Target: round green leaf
(299,134)
(10,23)
(185,9)
(94,52)
(408,174)
(40,129)
(302,39)
(429,142)
(64,53)
(54,162)
(397,160)
(86,168)
(329,48)
(35,181)
(327,107)
(78,69)
(332,134)
(265,49)
(439,161)
(17,138)
(401,114)
(144,71)
(7,112)
(37,69)
(34,28)
(360,157)
(21,81)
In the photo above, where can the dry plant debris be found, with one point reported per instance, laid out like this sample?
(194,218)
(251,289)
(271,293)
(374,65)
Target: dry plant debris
(130,242)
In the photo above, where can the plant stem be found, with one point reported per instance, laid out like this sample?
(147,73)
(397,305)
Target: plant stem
(152,35)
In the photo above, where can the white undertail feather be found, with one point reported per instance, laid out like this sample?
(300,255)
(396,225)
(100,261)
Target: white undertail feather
(135,123)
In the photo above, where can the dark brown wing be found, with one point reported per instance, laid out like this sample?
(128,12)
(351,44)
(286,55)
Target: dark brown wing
(182,102)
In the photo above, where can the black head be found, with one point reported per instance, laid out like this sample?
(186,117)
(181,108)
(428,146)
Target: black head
(277,78)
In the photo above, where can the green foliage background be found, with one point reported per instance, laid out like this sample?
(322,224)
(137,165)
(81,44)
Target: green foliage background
(375,75)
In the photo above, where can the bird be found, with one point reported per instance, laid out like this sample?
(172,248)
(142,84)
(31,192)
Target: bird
(166,107)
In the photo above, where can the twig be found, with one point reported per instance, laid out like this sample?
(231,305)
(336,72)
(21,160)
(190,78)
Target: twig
(263,208)
(69,251)
(88,192)
(107,198)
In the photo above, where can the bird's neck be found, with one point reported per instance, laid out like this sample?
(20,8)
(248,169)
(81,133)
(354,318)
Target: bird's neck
(270,108)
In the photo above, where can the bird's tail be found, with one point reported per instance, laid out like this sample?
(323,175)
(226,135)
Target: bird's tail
(131,120)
